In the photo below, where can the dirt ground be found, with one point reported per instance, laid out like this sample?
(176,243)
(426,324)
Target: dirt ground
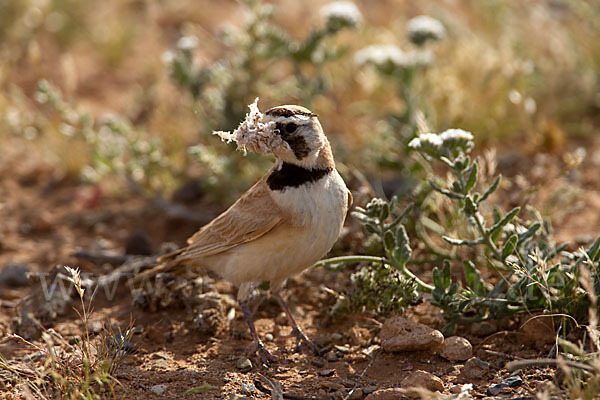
(46,217)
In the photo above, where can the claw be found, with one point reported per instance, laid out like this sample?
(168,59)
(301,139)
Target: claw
(301,339)
(266,357)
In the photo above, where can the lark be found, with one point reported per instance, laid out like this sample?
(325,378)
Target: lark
(281,226)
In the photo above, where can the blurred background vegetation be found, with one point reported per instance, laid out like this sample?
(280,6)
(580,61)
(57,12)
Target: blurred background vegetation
(135,87)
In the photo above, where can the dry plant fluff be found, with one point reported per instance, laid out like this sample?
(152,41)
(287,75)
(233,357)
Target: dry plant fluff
(254,134)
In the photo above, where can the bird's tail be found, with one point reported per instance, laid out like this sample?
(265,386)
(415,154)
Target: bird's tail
(169,262)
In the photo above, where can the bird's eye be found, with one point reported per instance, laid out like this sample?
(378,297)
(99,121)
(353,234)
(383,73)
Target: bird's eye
(291,127)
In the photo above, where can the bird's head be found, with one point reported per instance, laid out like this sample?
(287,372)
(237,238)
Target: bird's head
(301,129)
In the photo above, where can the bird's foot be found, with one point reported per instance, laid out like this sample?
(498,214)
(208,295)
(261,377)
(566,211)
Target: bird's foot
(302,339)
(264,355)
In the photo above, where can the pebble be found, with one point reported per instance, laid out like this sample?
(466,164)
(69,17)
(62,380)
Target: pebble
(401,334)
(235,396)
(14,275)
(476,368)
(120,342)
(342,349)
(369,389)
(331,356)
(388,394)
(138,243)
(244,364)
(269,337)
(456,348)
(513,381)
(423,379)
(326,372)
(161,355)
(356,394)
(248,388)
(318,362)
(158,389)
(483,329)
(336,336)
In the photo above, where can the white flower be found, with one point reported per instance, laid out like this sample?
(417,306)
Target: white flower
(344,13)
(456,134)
(426,139)
(423,28)
(381,55)
(187,43)
(457,141)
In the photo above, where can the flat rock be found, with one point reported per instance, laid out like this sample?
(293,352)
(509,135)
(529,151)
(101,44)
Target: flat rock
(401,334)
(158,389)
(476,369)
(456,348)
(390,394)
(14,275)
(423,379)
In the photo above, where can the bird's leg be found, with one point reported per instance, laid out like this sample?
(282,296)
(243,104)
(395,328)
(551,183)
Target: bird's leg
(296,331)
(264,355)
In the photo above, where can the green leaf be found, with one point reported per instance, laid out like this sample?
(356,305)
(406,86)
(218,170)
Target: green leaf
(492,188)
(473,278)
(385,212)
(507,218)
(402,251)
(594,251)
(529,232)
(371,228)
(389,240)
(472,178)
(445,192)
(509,246)
(470,207)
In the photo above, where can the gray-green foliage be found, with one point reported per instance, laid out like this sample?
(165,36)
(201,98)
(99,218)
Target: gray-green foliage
(223,89)
(114,144)
(513,264)
(532,273)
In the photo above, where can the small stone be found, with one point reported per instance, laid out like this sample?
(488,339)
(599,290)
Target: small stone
(318,362)
(476,368)
(423,379)
(158,389)
(235,396)
(331,356)
(248,388)
(483,329)
(388,394)
(326,372)
(513,381)
(356,394)
(269,337)
(336,336)
(138,243)
(120,342)
(342,349)
(401,334)
(369,389)
(161,355)
(244,364)
(456,348)
(14,275)
(160,364)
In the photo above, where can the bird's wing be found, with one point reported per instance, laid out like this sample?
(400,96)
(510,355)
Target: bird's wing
(252,216)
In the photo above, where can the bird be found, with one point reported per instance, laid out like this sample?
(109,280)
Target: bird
(281,226)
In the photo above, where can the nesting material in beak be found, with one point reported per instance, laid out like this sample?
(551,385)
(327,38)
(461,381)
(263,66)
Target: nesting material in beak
(255,134)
